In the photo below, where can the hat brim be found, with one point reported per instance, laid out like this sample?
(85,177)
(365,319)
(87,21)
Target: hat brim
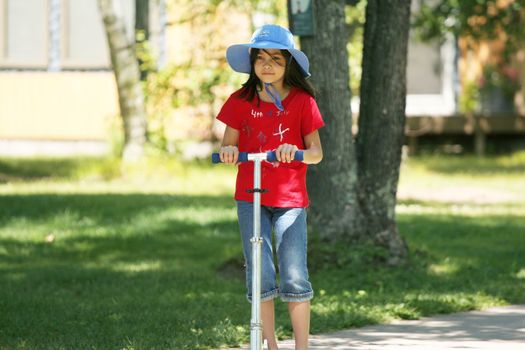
(238,56)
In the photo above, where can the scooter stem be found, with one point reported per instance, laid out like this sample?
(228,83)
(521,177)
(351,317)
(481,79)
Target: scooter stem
(256,323)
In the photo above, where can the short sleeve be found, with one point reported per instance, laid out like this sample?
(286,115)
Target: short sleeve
(312,119)
(229,113)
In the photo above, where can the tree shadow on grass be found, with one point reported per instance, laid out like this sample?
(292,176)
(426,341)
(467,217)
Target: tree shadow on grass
(101,206)
(34,169)
(142,273)
(457,263)
(155,289)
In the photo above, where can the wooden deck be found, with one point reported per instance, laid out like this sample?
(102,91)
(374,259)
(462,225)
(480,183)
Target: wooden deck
(479,126)
(462,124)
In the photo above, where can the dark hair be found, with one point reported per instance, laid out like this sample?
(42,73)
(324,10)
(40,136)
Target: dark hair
(293,77)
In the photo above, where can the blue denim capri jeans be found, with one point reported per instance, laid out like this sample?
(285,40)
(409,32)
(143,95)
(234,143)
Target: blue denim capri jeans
(289,225)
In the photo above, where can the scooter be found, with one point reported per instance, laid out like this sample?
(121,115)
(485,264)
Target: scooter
(256,240)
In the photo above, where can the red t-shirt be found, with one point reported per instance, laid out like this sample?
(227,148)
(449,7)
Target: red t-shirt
(263,128)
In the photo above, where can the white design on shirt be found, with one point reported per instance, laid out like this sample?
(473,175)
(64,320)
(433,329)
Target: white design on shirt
(256,114)
(281,132)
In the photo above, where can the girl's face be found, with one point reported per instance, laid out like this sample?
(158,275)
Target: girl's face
(270,66)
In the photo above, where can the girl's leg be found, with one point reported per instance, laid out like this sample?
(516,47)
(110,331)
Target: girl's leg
(295,287)
(300,316)
(268,320)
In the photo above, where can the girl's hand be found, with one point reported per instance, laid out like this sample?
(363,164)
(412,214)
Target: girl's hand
(229,154)
(286,152)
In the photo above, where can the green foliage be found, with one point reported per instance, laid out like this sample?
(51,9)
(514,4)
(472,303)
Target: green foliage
(469,98)
(355,19)
(501,77)
(479,19)
(177,86)
(143,50)
(199,79)
(202,77)
(163,91)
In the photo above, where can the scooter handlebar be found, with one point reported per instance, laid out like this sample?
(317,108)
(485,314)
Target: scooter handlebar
(270,157)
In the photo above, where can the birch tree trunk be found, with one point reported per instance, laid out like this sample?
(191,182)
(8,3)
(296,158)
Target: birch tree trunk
(331,184)
(126,70)
(381,121)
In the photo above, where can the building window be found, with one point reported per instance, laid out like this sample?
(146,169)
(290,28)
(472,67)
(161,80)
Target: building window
(83,38)
(56,35)
(24,33)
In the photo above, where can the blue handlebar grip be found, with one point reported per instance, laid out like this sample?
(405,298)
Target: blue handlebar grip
(299,156)
(215,158)
(272,157)
(243,157)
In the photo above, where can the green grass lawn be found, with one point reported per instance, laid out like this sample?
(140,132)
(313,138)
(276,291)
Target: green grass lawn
(95,256)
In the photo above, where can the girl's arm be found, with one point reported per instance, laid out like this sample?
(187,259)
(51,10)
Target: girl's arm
(312,154)
(229,153)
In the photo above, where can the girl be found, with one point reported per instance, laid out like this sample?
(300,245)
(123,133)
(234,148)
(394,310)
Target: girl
(274,110)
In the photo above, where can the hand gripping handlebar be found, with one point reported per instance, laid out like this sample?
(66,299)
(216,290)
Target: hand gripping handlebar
(244,157)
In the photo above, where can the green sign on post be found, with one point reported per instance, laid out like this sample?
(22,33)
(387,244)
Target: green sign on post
(301,17)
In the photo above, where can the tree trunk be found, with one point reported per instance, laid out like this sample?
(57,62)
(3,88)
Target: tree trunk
(381,121)
(142,30)
(331,184)
(126,70)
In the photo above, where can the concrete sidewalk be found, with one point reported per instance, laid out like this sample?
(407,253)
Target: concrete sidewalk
(501,328)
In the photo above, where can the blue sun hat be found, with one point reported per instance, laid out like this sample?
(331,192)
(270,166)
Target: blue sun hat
(269,36)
